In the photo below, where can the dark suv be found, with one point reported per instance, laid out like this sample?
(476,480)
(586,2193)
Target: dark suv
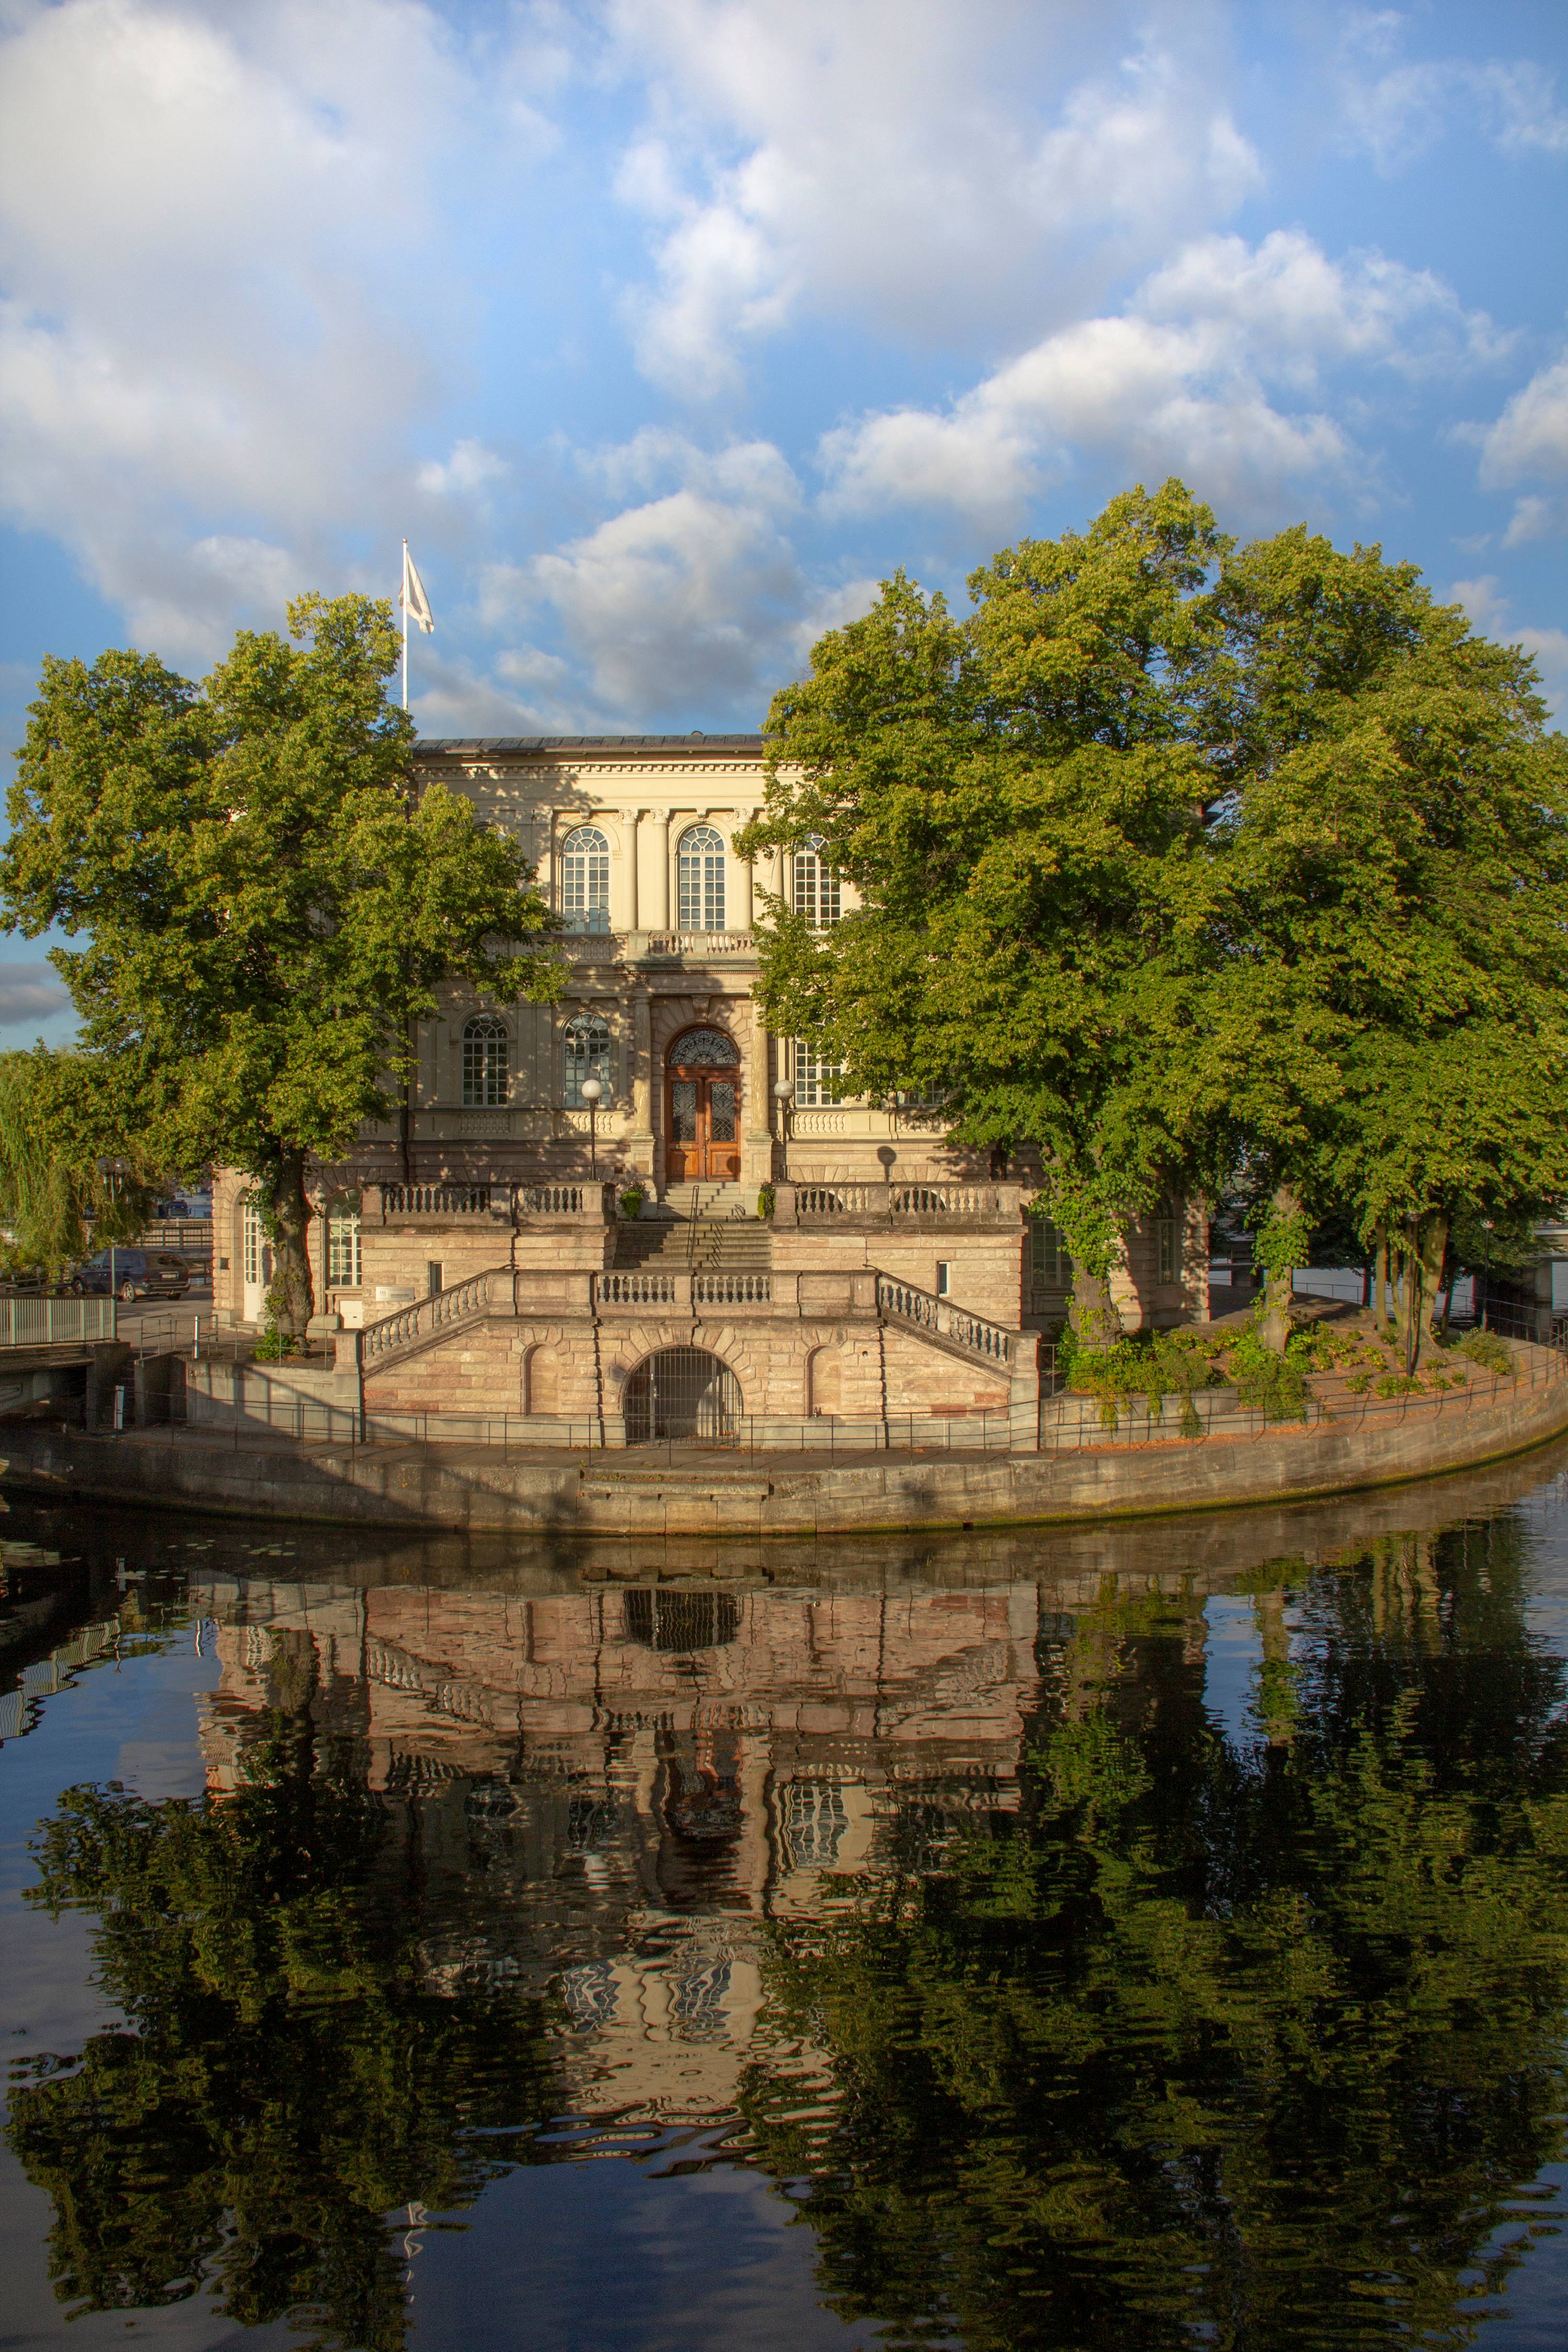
(135,1274)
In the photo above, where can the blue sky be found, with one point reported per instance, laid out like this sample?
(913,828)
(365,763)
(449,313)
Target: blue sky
(665,328)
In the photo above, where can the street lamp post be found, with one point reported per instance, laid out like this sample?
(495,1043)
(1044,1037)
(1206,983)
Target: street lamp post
(593,1092)
(784,1095)
(113,1172)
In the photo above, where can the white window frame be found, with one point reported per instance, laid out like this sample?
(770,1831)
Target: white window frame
(818,1083)
(253,1241)
(343,1248)
(585,869)
(700,876)
(818,893)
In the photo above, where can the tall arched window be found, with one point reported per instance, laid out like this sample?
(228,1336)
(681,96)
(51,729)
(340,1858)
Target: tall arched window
(486,1059)
(817,895)
(700,867)
(588,1055)
(585,880)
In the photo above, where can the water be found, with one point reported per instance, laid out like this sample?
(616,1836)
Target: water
(1151,1936)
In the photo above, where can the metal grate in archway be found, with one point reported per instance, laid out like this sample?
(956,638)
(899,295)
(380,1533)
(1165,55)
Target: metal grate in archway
(682,1392)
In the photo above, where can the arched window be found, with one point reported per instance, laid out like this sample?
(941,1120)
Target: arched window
(585,880)
(701,865)
(486,1059)
(817,895)
(816,1079)
(587,1057)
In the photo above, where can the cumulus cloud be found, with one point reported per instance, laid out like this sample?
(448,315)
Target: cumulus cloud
(471,469)
(894,162)
(223,252)
(1395,111)
(1528,442)
(1180,382)
(30,992)
(1487,609)
(681,602)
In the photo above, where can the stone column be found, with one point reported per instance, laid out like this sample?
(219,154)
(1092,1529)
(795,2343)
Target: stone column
(748,876)
(640,1139)
(758,1160)
(660,917)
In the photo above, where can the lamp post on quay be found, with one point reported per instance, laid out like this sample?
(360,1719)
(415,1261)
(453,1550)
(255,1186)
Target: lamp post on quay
(592,1093)
(784,1095)
(114,1172)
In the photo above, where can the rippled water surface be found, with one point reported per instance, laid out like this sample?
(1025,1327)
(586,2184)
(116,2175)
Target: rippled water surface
(1122,1938)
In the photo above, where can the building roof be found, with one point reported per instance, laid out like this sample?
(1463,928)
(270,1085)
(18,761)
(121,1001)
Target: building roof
(483,746)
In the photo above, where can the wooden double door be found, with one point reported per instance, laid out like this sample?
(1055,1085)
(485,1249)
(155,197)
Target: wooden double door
(703,1109)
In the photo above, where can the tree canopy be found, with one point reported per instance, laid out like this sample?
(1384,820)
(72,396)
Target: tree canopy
(265,902)
(1177,862)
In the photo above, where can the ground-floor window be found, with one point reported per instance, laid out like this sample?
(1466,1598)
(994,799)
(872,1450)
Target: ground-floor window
(343,1246)
(588,1055)
(252,1242)
(1169,1238)
(1050,1266)
(817,1079)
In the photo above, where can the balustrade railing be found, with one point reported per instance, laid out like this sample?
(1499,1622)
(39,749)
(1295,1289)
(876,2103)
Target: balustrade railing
(824,1203)
(461,1304)
(638,1289)
(904,1302)
(558,1200)
(436,1199)
(700,943)
(733,1289)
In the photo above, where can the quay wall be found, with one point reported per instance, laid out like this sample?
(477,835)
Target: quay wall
(475,1487)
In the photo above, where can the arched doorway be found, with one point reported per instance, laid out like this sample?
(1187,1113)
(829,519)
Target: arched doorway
(702,1108)
(682,1392)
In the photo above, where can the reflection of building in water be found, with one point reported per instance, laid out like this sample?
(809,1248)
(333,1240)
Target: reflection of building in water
(607,1788)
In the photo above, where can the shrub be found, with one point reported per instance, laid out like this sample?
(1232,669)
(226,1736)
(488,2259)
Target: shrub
(1396,1384)
(275,1347)
(767,1201)
(1486,1348)
(632,1200)
(1276,1384)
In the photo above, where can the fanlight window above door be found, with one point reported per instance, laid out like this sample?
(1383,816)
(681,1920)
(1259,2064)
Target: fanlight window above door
(703,1049)
(585,880)
(700,865)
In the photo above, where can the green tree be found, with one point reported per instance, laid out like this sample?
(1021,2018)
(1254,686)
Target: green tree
(56,1201)
(1018,804)
(267,902)
(1208,2035)
(1387,1019)
(287,2077)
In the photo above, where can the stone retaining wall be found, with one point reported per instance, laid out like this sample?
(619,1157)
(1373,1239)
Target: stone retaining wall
(477,1487)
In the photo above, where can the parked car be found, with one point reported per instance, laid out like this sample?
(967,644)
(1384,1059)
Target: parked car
(134,1273)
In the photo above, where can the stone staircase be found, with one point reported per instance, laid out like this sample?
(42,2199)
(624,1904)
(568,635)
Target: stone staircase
(704,1227)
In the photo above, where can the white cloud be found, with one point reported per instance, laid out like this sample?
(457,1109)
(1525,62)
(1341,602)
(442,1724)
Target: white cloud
(224,249)
(677,605)
(1395,113)
(894,162)
(1487,609)
(471,469)
(1180,382)
(1528,442)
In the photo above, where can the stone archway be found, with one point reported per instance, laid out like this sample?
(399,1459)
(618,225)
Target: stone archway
(682,1392)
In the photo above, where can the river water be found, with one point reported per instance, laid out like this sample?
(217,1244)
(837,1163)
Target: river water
(1116,1937)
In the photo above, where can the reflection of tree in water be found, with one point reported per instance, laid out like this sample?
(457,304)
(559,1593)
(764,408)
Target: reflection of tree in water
(285,2082)
(1241,2043)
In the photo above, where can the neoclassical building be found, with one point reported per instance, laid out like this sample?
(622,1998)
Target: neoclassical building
(474,1249)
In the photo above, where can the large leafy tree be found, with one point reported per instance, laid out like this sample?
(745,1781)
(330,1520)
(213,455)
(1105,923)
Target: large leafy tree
(265,902)
(1017,800)
(56,1201)
(1386,1022)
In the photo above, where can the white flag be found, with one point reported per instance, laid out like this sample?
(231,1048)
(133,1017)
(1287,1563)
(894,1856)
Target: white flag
(413,600)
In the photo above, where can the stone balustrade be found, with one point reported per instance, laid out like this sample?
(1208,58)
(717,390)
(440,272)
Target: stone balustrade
(658,947)
(911,1206)
(903,1302)
(434,1206)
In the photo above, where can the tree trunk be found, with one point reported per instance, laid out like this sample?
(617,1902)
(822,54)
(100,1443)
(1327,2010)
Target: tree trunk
(291,1298)
(1096,1323)
(1400,1268)
(1431,1249)
(1382,1284)
(1279,1284)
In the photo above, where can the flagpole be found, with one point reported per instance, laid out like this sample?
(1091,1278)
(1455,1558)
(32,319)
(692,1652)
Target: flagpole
(403,601)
